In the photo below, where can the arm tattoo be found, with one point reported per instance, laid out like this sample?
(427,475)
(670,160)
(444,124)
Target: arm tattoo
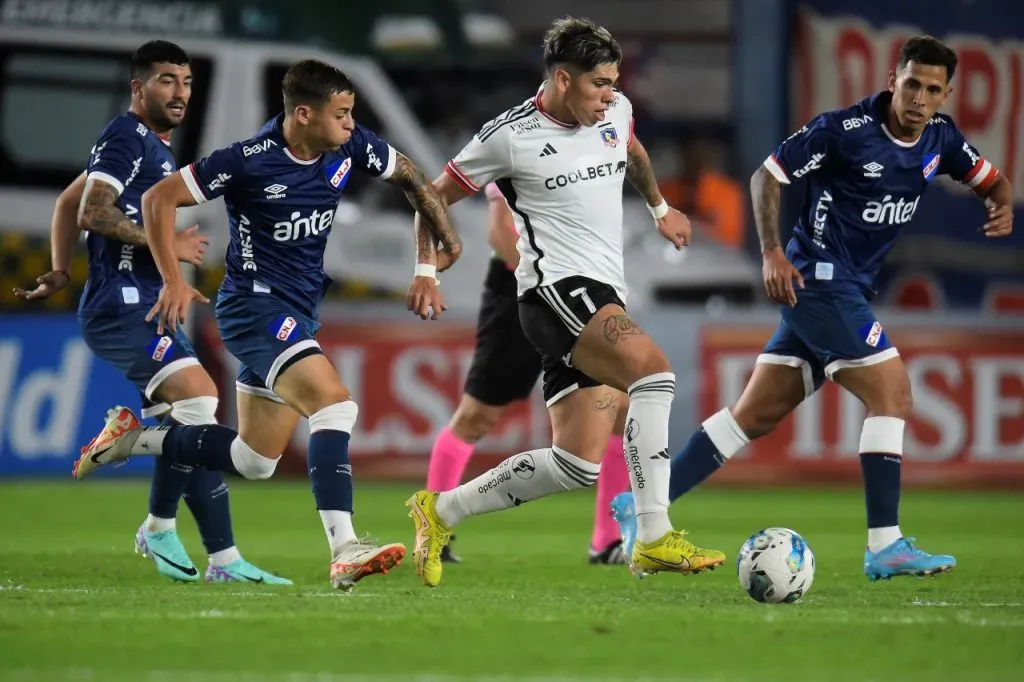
(426,243)
(432,207)
(617,328)
(608,405)
(98,213)
(765,192)
(641,175)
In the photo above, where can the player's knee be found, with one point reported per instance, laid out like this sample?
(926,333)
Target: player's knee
(195,411)
(896,402)
(472,424)
(340,416)
(757,420)
(652,361)
(251,464)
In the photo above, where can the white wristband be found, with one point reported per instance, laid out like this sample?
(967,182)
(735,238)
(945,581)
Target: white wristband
(425,270)
(659,211)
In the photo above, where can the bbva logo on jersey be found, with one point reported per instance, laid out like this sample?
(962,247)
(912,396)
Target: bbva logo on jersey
(299,226)
(337,173)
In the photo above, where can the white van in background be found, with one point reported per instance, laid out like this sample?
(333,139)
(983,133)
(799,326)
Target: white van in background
(59,88)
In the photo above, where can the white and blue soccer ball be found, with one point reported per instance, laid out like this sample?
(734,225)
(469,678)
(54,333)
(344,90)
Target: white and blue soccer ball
(775,565)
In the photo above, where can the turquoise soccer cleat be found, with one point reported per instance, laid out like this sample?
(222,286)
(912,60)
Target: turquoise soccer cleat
(624,514)
(241,571)
(165,549)
(902,558)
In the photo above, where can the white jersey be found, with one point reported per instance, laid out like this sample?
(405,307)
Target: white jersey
(564,186)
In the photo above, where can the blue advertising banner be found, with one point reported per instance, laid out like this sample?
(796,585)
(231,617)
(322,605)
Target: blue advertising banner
(844,50)
(54,395)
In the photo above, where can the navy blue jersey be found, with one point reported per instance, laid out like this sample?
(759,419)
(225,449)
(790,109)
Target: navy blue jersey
(281,208)
(863,186)
(131,158)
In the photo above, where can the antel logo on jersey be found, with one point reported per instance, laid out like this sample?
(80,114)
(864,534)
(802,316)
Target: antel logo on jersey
(603,170)
(340,176)
(257,148)
(312,225)
(288,325)
(813,164)
(889,212)
(163,345)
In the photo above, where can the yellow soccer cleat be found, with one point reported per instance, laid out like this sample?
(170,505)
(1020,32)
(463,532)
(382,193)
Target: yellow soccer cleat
(432,535)
(673,552)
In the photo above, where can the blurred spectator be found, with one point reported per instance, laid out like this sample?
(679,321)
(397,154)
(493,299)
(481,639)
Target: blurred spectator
(711,199)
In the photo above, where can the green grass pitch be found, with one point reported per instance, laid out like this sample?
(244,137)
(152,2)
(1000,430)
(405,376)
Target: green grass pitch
(76,604)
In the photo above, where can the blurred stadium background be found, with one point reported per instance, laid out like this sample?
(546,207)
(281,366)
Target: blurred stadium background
(715,84)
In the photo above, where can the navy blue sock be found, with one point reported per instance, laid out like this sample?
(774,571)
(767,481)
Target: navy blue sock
(207,498)
(330,472)
(168,484)
(881,473)
(206,445)
(698,460)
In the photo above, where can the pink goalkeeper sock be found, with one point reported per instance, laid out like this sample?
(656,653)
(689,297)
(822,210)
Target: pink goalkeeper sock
(448,461)
(612,480)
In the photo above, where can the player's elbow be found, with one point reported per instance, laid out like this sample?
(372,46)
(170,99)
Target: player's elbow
(155,201)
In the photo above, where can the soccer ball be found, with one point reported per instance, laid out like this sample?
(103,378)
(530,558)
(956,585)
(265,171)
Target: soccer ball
(775,565)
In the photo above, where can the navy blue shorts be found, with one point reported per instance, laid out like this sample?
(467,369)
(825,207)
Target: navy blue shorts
(132,345)
(830,328)
(265,335)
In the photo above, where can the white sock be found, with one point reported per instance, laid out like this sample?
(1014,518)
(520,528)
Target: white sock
(880,538)
(154,524)
(647,458)
(150,440)
(521,478)
(225,557)
(338,526)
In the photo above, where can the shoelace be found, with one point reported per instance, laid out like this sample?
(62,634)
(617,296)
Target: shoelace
(679,541)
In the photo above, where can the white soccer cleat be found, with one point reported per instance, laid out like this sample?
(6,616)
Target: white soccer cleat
(111,445)
(356,560)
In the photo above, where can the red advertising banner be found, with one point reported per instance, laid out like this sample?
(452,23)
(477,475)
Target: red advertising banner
(967,427)
(407,378)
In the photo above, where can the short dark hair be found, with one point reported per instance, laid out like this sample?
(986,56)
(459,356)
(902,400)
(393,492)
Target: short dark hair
(579,43)
(312,82)
(930,51)
(156,52)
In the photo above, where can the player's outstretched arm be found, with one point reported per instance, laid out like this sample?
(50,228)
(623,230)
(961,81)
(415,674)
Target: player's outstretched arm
(64,232)
(159,207)
(779,274)
(999,201)
(673,225)
(431,207)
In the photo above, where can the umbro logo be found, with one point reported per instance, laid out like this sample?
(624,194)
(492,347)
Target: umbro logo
(872,170)
(548,150)
(275,191)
